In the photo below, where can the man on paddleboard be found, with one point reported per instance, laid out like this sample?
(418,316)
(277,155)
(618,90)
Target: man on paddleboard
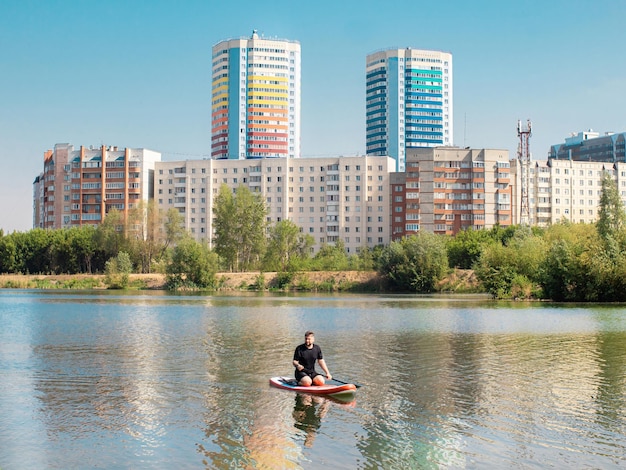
(304,359)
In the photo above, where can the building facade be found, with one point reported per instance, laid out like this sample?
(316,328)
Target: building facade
(448,189)
(80,186)
(570,190)
(409,102)
(590,146)
(331,199)
(255,110)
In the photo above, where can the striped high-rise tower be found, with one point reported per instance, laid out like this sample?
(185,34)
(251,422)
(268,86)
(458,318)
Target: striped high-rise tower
(256,98)
(408,101)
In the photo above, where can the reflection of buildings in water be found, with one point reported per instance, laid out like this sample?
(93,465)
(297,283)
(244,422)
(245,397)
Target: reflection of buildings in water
(111,383)
(269,443)
(259,434)
(524,383)
(261,440)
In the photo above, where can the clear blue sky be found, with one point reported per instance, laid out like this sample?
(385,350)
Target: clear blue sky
(138,73)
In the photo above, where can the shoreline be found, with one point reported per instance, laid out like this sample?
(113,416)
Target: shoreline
(360,281)
(157,281)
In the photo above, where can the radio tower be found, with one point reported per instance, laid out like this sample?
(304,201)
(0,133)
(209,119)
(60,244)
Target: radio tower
(523,155)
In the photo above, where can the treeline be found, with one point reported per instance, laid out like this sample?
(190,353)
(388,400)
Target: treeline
(564,262)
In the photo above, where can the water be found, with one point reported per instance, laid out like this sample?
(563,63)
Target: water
(102,380)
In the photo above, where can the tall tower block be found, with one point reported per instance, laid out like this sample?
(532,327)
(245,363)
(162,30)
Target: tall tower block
(255,106)
(409,101)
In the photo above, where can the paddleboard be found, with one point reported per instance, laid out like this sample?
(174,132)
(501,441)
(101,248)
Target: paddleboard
(289,383)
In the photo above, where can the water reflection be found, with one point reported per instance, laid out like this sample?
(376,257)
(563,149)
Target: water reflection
(155,382)
(308,413)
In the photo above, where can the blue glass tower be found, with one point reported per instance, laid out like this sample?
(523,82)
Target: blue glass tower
(408,101)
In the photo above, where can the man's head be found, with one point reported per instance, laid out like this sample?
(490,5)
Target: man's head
(309,338)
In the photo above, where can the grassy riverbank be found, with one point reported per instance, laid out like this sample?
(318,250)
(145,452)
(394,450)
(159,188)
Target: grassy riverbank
(328,281)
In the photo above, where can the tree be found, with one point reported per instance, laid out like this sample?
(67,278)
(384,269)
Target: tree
(239,227)
(415,263)
(465,247)
(110,235)
(72,250)
(174,229)
(504,269)
(117,271)
(285,243)
(8,255)
(192,265)
(611,216)
(251,217)
(33,251)
(332,257)
(225,227)
(150,232)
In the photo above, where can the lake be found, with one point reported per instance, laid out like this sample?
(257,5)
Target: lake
(155,380)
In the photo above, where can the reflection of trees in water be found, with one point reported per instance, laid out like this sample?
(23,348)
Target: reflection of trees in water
(611,396)
(308,413)
(405,426)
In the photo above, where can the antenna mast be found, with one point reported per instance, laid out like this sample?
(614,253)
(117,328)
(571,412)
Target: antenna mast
(523,155)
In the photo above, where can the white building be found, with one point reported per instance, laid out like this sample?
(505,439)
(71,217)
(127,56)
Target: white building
(569,189)
(335,198)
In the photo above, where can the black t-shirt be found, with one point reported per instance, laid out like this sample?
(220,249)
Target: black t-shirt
(307,357)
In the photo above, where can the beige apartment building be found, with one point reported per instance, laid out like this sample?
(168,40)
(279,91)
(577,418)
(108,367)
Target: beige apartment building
(569,189)
(448,189)
(80,186)
(359,200)
(331,199)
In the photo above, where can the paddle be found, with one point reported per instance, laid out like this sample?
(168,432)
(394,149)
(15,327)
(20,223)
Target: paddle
(342,382)
(336,380)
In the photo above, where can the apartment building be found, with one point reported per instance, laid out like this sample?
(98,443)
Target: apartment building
(80,186)
(448,189)
(570,189)
(409,101)
(331,199)
(255,109)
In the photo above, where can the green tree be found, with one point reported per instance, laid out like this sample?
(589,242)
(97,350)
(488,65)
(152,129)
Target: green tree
(240,226)
(110,235)
(225,238)
(505,270)
(117,271)
(416,263)
(611,216)
(331,258)
(33,251)
(72,250)
(192,265)
(174,228)
(8,255)
(285,244)
(465,247)
(150,232)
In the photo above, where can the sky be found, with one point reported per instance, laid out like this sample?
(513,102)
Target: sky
(138,73)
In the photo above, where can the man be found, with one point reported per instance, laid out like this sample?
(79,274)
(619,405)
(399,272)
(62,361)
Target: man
(304,359)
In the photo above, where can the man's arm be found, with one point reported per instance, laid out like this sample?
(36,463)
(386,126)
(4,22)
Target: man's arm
(322,364)
(296,360)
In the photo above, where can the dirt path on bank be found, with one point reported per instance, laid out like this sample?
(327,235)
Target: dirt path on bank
(462,280)
(227,280)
